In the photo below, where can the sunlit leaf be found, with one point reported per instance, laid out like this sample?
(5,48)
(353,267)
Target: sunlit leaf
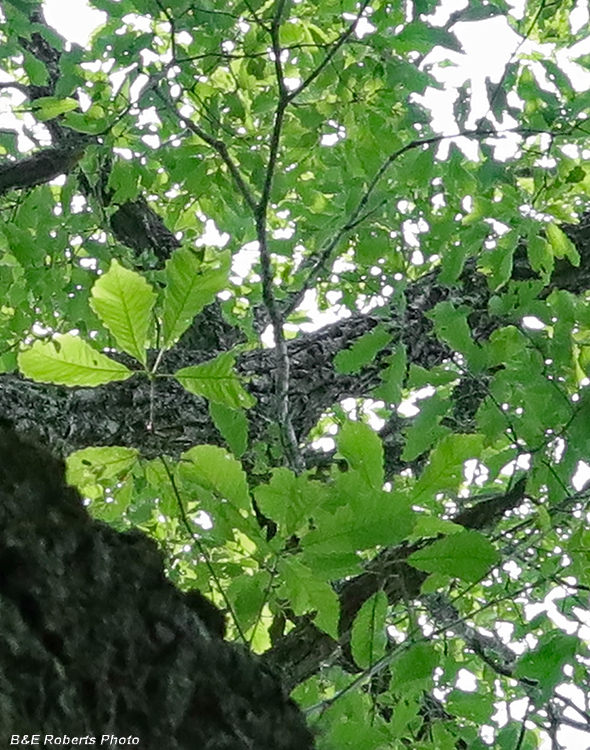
(191,284)
(124,301)
(68,360)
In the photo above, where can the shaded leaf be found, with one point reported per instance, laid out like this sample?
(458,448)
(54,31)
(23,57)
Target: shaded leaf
(363,450)
(467,555)
(368,638)
(217,381)
(415,664)
(232,424)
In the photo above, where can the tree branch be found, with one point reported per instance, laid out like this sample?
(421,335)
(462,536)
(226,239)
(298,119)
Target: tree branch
(219,147)
(14,85)
(288,437)
(357,216)
(337,45)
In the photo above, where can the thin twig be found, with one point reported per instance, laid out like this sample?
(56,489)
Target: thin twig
(414,636)
(354,218)
(218,146)
(170,18)
(572,705)
(529,707)
(247,55)
(14,85)
(528,32)
(288,437)
(338,44)
(256,17)
(202,550)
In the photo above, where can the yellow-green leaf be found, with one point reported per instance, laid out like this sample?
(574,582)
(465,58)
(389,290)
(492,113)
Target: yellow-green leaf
(68,360)
(49,107)
(191,284)
(123,300)
(562,246)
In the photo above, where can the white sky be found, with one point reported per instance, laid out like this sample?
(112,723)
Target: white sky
(74,19)
(488,46)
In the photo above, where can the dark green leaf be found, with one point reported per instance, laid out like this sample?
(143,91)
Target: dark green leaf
(468,555)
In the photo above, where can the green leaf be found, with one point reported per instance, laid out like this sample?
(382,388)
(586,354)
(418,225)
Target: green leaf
(426,429)
(289,500)
(362,352)
(497,262)
(216,470)
(473,706)
(452,262)
(83,123)
(49,107)
(384,518)
(191,284)
(468,556)
(123,300)
(216,381)
(363,450)
(562,246)
(508,737)
(305,592)
(368,638)
(393,377)
(370,247)
(432,526)
(545,664)
(478,12)
(362,518)
(445,468)
(90,466)
(415,664)
(507,346)
(419,377)
(491,421)
(327,603)
(23,246)
(123,181)
(539,253)
(372,214)
(578,548)
(112,507)
(68,360)
(420,37)
(451,326)
(233,426)
(247,597)
(35,70)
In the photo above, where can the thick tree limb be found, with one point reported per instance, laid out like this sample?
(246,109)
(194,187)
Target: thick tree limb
(303,649)
(95,641)
(39,168)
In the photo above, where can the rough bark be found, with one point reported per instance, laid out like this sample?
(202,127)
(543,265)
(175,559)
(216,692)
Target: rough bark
(95,641)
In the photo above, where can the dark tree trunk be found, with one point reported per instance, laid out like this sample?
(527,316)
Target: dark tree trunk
(95,641)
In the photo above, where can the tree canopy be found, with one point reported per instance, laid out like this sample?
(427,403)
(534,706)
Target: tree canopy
(332,358)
